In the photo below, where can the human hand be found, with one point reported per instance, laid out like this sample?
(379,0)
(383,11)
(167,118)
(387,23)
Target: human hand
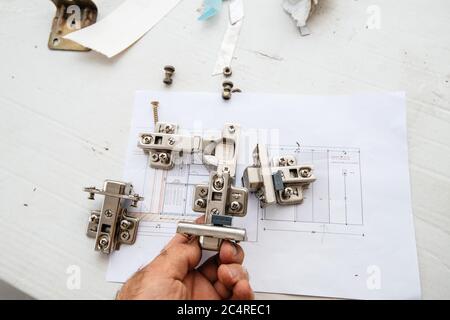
(172,274)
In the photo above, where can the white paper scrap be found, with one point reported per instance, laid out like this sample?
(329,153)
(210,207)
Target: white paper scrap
(123,27)
(353,235)
(236,11)
(300,10)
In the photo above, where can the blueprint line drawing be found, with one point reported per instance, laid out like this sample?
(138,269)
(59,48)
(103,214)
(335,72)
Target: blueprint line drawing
(333,204)
(334,199)
(178,187)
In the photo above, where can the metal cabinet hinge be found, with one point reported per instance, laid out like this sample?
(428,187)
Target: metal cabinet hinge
(219,199)
(282,182)
(71,15)
(165,145)
(112,225)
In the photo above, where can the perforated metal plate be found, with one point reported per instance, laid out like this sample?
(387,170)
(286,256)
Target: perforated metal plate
(71,15)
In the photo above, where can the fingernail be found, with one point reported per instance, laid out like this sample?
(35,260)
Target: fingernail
(235,251)
(232,272)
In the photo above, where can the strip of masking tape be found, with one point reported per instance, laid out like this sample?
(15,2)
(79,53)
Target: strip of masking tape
(236,11)
(124,26)
(229,42)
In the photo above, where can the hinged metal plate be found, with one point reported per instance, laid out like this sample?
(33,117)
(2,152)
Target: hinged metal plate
(165,144)
(112,226)
(71,15)
(284,181)
(228,200)
(221,153)
(219,199)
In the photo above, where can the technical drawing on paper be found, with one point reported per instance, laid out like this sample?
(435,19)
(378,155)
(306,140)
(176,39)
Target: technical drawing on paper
(333,202)
(176,187)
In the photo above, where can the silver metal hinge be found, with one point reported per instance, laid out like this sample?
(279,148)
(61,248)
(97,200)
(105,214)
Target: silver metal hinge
(219,199)
(165,145)
(282,182)
(112,226)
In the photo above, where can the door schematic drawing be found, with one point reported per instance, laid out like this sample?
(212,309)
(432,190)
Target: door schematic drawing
(332,204)
(333,201)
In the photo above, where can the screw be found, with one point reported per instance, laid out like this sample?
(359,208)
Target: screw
(155,106)
(125,224)
(305,173)
(171,141)
(93,218)
(163,157)
(227,72)
(231,129)
(169,71)
(154,157)
(200,203)
(215,211)
(282,161)
(103,242)
(227,87)
(124,235)
(169,128)
(108,213)
(226,95)
(235,206)
(147,139)
(203,192)
(218,183)
(91,196)
(291,162)
(288,192)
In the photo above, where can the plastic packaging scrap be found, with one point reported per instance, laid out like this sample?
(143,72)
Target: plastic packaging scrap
(210,9)
(300,10)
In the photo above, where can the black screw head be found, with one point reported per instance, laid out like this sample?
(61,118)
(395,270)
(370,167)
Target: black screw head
(228,84)
(170,69)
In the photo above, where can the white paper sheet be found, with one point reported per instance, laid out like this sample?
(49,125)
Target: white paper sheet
(123,27)
(353,236)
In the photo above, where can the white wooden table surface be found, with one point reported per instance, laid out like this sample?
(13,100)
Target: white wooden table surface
(64,117)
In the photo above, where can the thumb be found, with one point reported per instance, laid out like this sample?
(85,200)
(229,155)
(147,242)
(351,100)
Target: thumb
(176,260)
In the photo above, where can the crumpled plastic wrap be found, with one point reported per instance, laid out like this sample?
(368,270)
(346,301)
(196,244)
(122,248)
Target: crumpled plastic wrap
(300,10)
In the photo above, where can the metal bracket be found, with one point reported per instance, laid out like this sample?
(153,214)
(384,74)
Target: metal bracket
(283,182)
(165,144)
(112,226)
(220,154)
(219,199)
(71,15)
